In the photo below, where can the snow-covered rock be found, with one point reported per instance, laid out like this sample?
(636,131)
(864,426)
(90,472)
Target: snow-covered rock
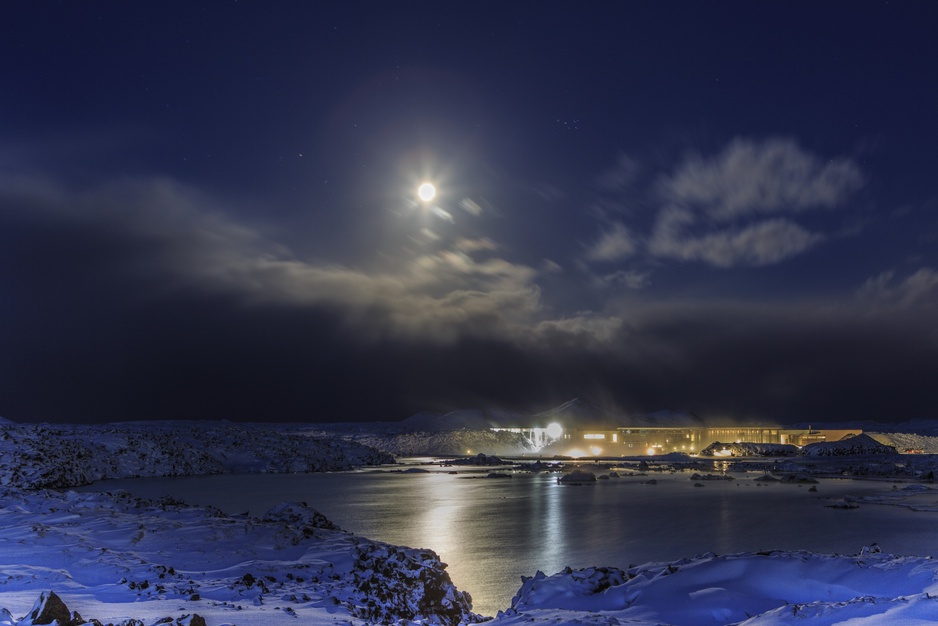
(749,588)
(696,476)
(749,449)
(577,477)
(36,456)
(480,460)
(447,443)
(392,583)
(124,558)
(909,443)
(852,446)
(49,608)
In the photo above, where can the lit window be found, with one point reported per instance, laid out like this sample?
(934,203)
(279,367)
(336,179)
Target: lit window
(594,436)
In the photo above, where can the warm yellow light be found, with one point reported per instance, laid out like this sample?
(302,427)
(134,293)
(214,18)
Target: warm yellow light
(651,451)
(426,192)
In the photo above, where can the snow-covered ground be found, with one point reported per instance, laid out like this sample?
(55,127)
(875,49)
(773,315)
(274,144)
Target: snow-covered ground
(116,558)
(36,456)
(764,589)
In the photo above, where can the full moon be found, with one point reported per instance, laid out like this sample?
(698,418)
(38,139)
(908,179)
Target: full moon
(426,192)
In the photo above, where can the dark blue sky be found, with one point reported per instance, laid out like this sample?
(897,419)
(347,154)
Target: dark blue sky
(209,210)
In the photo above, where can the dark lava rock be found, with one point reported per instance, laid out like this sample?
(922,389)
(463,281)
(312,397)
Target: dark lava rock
(49,608)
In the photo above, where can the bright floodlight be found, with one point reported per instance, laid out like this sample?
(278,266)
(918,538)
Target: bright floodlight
(554,431)
(426,192)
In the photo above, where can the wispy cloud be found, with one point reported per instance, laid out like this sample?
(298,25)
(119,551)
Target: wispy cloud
(172,237)
(632,279)
(763,243)
(740,207)
(917,288)
(751,178)
(623,173)
(615,243)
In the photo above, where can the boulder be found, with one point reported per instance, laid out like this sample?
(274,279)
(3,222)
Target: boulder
(577,477)
(48,609)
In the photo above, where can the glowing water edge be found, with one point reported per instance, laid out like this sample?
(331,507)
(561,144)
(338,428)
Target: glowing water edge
(491,531)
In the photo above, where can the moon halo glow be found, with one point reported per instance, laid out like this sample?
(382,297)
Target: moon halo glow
(426,192)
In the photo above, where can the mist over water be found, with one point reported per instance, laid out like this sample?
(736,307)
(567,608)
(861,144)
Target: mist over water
(492,531)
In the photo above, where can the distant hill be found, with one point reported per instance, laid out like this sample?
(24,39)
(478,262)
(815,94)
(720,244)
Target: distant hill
(917,426)
(469,419)
(577,413)
(666,418)
(580,413)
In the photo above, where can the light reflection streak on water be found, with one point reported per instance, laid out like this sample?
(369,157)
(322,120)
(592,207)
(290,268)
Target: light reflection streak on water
(441,514)
(553,521)
(546,523)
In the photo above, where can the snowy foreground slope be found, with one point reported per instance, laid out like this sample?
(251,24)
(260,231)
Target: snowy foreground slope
(123,560)
(118,558)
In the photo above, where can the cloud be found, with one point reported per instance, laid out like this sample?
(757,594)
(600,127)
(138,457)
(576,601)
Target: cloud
(470,206)
(621,175)
(148,299)
(918,288)
(614,244)
(170,237)
(752,178)
(632,279)
(550,267)
(471,245)
(739,208)
(762,243)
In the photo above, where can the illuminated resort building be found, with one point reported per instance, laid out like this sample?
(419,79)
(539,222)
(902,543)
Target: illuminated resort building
(630,440)
(652,440)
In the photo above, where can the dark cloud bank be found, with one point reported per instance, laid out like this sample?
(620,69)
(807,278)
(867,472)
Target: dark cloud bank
(120,305)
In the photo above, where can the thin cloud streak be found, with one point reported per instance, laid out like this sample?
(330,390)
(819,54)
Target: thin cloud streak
(752,178)
(614,244)
(763,243)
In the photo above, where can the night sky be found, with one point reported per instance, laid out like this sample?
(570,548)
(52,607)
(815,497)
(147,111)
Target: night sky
(209,209)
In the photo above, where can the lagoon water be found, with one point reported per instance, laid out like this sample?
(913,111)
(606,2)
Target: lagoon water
(492,531)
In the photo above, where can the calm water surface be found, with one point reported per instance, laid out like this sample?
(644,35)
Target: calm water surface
(493,531)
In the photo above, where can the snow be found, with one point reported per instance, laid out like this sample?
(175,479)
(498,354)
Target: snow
(37,456)
(446,442)
(129,561)
(116,557)
(857,445)
(749,449)
(909,442)
(754,588)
